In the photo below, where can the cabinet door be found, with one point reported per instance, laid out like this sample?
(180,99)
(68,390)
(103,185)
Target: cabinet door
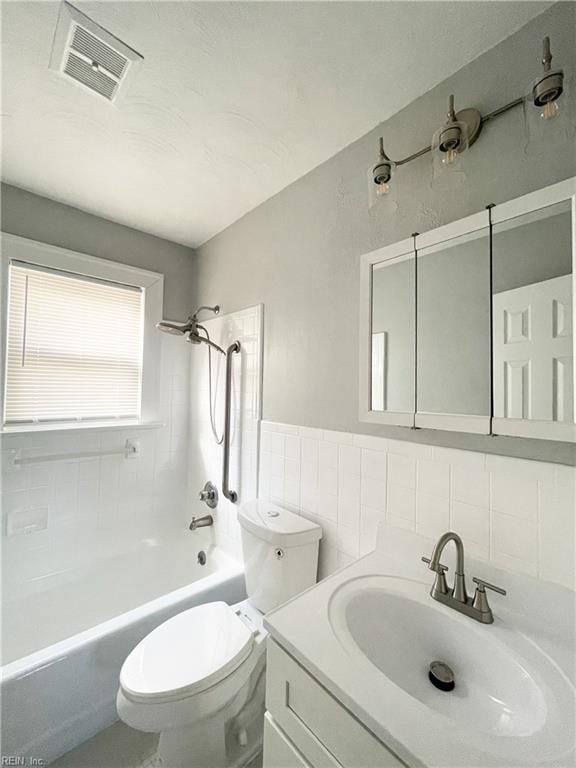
(533,303)
(325,732)
(279,752)
(387,335)
(453,327)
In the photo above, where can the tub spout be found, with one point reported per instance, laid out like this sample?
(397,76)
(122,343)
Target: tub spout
(201,522)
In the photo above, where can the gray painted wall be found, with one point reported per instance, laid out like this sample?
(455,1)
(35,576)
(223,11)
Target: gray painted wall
(299,252)
(39,218)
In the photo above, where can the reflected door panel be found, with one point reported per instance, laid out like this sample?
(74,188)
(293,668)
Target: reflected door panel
(533,351)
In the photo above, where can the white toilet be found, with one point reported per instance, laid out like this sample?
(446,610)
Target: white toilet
(199,678)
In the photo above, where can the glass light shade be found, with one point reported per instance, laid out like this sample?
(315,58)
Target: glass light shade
(548,123)
(449,145)
(382,183)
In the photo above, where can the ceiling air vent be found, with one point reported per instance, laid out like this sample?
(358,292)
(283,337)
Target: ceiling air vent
(91,56)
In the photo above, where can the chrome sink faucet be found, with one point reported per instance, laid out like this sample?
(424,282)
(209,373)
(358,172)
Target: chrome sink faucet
(476,607)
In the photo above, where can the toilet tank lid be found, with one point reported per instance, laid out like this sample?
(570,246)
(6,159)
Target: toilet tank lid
(276,525)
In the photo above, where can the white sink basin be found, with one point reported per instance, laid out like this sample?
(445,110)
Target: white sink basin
(506,691)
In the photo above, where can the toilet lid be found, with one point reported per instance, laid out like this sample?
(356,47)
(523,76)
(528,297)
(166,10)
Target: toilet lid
(187,654)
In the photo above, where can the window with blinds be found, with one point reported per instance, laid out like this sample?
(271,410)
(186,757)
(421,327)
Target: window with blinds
(74,347)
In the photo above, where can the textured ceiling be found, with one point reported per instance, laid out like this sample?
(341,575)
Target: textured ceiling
(233,102)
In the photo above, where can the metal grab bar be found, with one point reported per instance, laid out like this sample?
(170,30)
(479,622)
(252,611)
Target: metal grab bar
(130,449)
(230,495)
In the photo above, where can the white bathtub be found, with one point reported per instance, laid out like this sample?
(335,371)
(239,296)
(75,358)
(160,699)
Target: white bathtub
(64,646)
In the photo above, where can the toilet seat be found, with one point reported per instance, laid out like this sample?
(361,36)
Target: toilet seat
(187,654)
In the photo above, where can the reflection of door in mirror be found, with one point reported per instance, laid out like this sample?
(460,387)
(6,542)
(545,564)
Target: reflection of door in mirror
(453,333)
(392,372)
(533,330)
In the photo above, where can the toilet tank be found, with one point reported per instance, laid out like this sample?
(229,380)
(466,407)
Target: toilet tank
(280,553)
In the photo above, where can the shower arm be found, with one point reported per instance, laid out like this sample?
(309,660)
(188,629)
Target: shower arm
(215,310)
(230,495)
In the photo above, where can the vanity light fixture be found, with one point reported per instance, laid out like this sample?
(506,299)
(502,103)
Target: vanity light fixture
(462,128)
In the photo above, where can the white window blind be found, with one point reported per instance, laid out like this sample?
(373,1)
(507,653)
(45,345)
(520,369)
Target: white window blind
(74,347)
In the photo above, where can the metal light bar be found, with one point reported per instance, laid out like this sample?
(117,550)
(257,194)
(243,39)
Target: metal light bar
(484,119)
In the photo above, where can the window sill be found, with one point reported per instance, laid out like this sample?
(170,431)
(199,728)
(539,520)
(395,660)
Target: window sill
(108,426)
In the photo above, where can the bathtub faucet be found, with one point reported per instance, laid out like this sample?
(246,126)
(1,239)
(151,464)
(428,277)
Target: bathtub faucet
(201,522)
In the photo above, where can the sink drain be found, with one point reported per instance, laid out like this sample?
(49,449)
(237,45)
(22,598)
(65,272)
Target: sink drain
(441,676)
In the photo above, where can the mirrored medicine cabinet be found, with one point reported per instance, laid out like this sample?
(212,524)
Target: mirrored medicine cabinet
(469,327)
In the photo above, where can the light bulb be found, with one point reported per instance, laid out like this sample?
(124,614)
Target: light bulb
(450,156)
(549,110)
(382,189)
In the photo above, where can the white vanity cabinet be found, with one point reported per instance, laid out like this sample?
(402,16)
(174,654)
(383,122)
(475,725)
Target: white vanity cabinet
(306,727)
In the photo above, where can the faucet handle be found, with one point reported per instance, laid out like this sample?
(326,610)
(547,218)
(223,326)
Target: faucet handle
(480,601)
(439,569)
(440,585)
(483,585)
(209,495)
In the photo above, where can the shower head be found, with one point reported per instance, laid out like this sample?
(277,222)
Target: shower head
(178,329)
(191,329)
(190,326)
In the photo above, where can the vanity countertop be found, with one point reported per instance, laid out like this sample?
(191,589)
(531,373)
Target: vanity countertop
(535,615)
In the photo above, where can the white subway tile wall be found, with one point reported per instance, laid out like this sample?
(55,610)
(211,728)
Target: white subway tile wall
(519,515)
(205,454)
(61,516)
